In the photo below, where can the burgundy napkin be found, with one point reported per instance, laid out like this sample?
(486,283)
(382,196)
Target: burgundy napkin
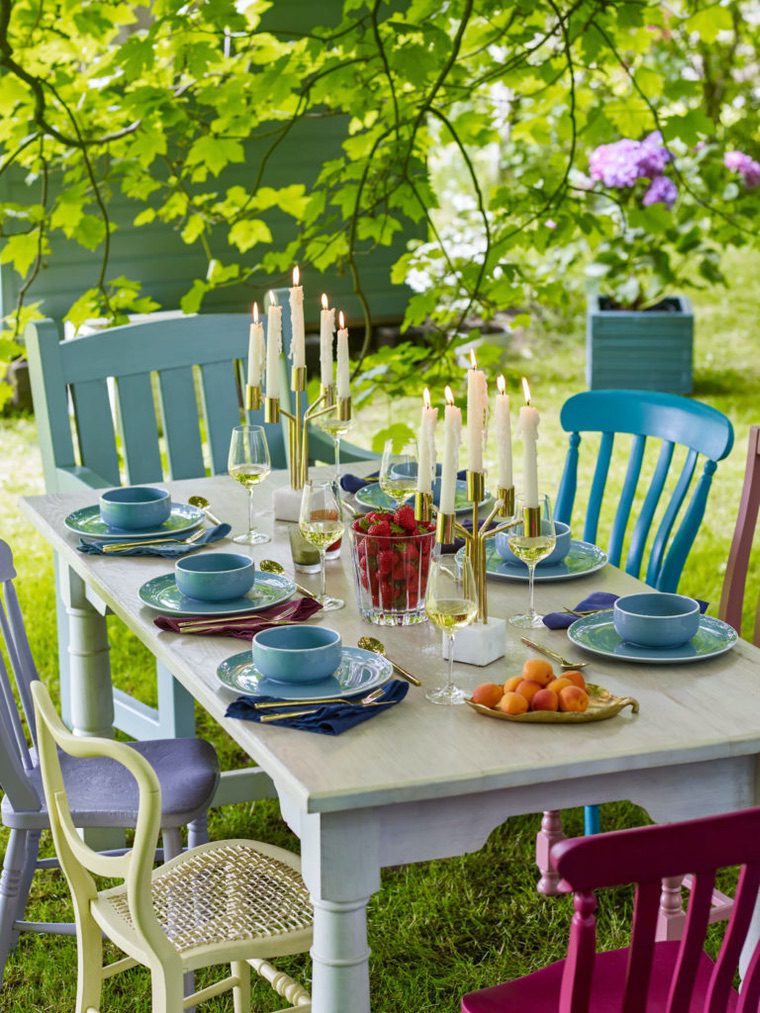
(297,610)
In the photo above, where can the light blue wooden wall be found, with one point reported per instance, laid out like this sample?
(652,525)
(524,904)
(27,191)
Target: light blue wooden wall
(156,256)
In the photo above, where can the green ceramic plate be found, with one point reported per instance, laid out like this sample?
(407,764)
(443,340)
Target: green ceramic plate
(359,671)
(163,595)
(583,558)
(87,523)
(372,497)
(597,635)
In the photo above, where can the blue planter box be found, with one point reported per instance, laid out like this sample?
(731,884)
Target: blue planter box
(640,350)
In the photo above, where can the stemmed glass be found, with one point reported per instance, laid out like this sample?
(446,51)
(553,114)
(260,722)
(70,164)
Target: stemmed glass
(531,541)
(248,463)
(321,523)
(451,603)
(398,472)
(337,429)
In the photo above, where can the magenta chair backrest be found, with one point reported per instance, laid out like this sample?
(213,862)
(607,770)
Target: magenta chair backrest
(735,581)
(645,856)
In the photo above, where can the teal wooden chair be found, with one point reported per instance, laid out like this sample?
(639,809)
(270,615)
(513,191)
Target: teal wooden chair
(143,403)
(703,432)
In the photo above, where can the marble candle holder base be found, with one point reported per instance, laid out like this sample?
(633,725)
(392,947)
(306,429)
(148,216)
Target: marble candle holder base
(480,643)
(286,503)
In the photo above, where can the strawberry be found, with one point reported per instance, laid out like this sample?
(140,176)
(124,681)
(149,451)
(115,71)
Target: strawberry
(381,528)
(404,517)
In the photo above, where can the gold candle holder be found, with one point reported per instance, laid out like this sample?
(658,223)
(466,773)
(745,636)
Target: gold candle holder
(445,528)
(252,398)
(506,498)
(476,546)
(344,409)
(532,521)
(298,379)
(423,506)
(271,409)
(327,395)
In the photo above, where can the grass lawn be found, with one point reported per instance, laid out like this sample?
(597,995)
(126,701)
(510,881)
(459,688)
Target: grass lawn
(439,929)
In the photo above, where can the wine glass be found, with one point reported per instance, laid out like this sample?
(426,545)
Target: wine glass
(398,472)
(321,523)
(532,540)
(451,603)
(337,429)
(248,463)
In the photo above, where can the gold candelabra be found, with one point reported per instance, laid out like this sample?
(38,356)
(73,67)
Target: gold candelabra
(447,528)
(299,419)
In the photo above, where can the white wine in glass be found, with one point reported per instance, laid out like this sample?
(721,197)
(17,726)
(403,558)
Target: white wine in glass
(451,603)
(321,523)
(398,472)
(248,463)
(531,541)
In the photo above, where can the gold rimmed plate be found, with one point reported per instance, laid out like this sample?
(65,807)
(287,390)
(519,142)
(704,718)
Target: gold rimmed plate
(602,705)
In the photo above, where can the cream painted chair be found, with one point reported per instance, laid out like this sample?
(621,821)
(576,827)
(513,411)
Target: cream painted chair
(238,902)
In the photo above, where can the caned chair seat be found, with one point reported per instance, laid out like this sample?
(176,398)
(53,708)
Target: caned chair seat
(220,894)
(103,794)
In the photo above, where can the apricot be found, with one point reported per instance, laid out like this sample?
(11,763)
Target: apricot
(559,684)
(528,689)
(488,694)
(576,678)
(538,670)
(512,703)
(573,698)
(546,700)
(511,684)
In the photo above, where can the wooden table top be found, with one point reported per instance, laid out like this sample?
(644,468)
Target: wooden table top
(417,750)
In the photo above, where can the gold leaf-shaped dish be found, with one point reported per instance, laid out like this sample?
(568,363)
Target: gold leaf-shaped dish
(601,705)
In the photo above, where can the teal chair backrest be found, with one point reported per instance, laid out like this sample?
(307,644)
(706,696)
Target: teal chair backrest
(702,430)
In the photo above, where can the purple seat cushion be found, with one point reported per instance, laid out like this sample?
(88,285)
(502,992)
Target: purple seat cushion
(102,793)
(539,992)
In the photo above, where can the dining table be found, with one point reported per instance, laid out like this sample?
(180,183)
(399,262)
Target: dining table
(420,781)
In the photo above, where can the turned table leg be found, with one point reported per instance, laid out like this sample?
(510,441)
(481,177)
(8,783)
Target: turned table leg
(549,835)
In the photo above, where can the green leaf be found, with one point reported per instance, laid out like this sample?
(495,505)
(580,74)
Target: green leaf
(90,231)
(144,218)
(191,300)
(21,251)
(248,232)
(214,153)
(708,22)
(399,433)
(194,228)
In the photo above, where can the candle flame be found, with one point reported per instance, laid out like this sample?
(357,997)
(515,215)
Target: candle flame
(426,397)
(341,321)
(273,298)
(501,383)
(296,276)
(448,395)
(325,304)
(526,390)
(473,360)
(255,312)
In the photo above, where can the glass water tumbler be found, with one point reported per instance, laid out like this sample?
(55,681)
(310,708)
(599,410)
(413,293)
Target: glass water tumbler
(390,576)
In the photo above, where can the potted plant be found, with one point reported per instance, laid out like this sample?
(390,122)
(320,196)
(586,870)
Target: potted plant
(639,329)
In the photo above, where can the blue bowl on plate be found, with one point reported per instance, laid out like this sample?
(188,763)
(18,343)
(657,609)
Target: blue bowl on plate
(656,619)
(297,654)
(557,554)
(135,507)
(215,576)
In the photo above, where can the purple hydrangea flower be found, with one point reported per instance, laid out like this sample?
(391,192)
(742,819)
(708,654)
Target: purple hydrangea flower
(622,163)
(662,190)
(747,167)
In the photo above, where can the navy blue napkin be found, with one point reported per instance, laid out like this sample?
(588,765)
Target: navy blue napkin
(164,548)
(352,483)
(328,718)
(598,600)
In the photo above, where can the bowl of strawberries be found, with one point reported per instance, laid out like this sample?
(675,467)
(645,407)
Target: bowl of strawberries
(391,555)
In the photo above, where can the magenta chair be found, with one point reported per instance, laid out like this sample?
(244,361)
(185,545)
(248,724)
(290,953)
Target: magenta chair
(735,580)
(647,976)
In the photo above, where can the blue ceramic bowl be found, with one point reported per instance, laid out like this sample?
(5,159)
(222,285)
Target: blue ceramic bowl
(135,507)
(297,653)
(656,619)
(559,552)
(215,576)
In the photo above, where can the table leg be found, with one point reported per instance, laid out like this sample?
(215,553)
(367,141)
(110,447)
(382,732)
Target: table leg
(90,689)
(340,868)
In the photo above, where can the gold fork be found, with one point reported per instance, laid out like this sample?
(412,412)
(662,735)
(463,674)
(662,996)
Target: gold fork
(120,546)
(371,699)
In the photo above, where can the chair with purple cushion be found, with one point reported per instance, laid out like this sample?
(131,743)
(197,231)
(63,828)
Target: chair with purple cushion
(102,794)
(648,976)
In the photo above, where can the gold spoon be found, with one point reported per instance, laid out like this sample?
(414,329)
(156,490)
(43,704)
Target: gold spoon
(377,647)
(271,566)
(203,504)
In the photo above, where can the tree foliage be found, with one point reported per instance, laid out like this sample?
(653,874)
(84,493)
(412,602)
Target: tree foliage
(100,96)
